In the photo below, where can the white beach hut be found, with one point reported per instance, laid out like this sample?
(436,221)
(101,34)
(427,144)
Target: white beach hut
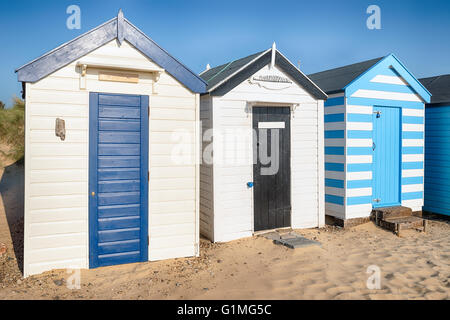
(101,186)
(263,148)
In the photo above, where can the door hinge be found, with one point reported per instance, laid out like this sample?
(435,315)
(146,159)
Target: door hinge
(148,240)
(148,175)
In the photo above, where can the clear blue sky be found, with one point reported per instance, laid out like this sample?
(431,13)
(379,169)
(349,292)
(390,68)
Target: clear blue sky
(321,33)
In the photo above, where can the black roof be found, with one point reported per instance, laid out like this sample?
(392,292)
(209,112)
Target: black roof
(439,86)
(227,76)
(217,74)
(334,80)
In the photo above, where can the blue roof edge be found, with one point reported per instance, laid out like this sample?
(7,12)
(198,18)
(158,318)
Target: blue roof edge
(416,85)
(117,28)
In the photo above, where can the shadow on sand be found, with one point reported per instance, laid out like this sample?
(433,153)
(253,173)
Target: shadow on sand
(12,194)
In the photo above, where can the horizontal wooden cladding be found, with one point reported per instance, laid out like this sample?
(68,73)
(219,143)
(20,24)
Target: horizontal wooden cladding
(185,217)
(57,227)
(158,113)
(57,97)
(171,183)
(58,201)
(57,188)
(36,268)
(163,208)
(171,238)
(186,250)
(48,123)
(171,125)
(172,195)
(55,255)
(58,162)
(58,240)
(48,136)
(57,149)
(61,110)
(58,175)
(172,172)
(56,215)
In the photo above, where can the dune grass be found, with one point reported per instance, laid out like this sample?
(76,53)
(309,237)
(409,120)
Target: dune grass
(12,126)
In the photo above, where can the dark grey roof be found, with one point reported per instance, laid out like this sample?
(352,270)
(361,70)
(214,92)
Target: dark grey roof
(334,80)
(225,77)
(439,87)
(117,28)
(217,74)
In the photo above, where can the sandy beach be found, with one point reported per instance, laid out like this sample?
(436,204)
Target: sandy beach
(414,266)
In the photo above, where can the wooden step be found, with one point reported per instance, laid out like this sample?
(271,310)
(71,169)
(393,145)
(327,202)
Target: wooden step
(397,224)
(391,212)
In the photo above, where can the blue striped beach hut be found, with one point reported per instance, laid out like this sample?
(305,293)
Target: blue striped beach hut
(437,145)
(374,137)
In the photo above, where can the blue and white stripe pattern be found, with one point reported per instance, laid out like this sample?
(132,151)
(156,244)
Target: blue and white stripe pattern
(348,140)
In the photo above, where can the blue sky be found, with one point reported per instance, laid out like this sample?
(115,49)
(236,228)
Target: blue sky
(322,34)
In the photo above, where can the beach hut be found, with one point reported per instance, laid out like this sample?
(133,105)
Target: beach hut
(437,145)
(374,138)
(101,184)
(262,122)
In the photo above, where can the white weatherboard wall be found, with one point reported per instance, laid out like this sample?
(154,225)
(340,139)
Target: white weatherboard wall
(56,172)
(348,130)
(226,203)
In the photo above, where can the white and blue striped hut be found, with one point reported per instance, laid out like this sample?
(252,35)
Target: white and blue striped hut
(374,138)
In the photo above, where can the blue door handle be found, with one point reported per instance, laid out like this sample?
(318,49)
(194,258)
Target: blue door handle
(374,146)
(250,184)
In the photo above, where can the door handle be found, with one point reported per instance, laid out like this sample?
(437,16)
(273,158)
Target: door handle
(374,146)
(93,193)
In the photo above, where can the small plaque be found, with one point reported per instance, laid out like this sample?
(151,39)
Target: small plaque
(118,77)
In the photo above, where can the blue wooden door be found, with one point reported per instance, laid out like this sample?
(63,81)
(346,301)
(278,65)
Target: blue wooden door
(118,179)
(386,156)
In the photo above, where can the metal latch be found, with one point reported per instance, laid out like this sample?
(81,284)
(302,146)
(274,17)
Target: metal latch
(378,113)
(377,200)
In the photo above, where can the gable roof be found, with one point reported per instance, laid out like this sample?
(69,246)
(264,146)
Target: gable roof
(347,78)
(227,76)
(439,86)
(334,80)
(117,28)
(217,74)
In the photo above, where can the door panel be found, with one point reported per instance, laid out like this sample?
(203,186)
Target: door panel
(118,169)
(272,190)
(386,156)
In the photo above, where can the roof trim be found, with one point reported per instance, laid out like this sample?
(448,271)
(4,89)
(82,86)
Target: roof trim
(391,61)
(258,63)
(237,71)
(117,28)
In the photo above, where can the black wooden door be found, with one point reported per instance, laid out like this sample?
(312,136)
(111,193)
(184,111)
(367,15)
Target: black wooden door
(272,176)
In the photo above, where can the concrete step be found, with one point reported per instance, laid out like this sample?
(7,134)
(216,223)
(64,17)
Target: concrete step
(391,212)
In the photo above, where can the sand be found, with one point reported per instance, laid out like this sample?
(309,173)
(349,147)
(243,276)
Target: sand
(414,266)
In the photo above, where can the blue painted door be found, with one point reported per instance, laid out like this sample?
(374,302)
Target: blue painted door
(386,156)
(118,179)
